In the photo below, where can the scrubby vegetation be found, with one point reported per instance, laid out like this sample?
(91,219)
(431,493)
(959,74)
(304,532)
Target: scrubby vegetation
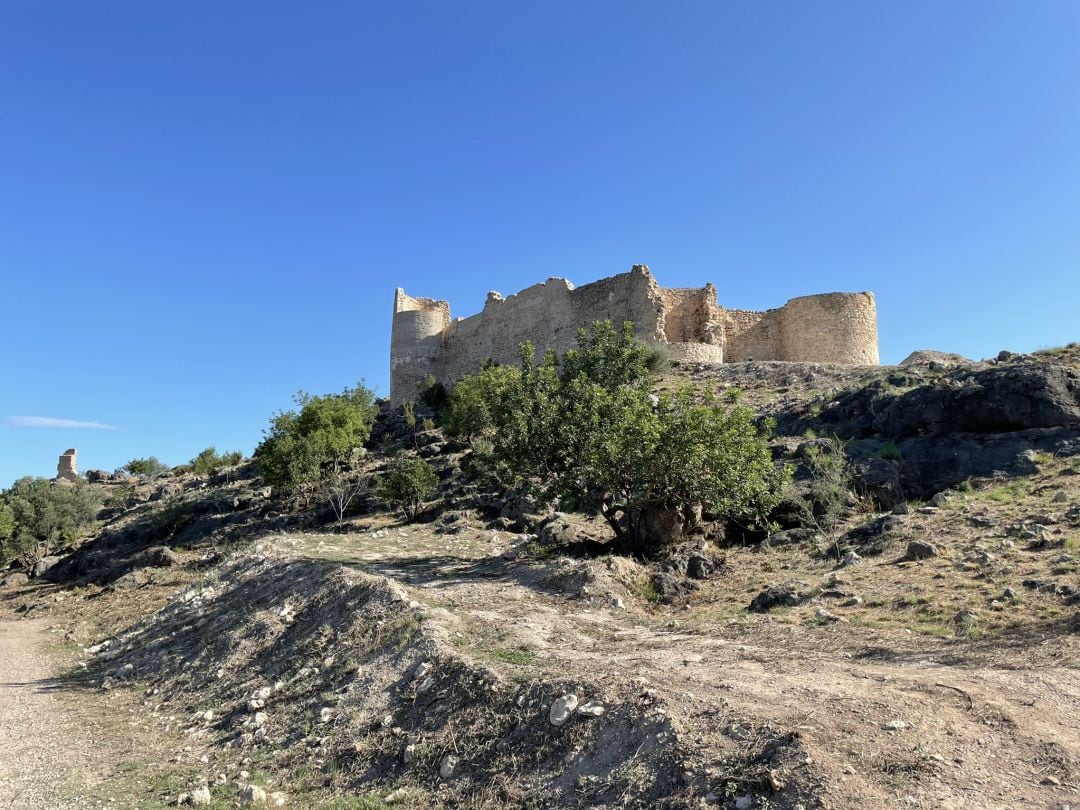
(38,516)
(829,487)
(304,447)
(472,409)
(144,467)
(433,393)
(407,484)
(209,461)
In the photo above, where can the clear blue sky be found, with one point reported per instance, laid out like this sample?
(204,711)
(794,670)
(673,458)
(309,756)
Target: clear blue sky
(205,206)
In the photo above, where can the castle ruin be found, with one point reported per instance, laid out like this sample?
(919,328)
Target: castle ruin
(66,469)
(830,328)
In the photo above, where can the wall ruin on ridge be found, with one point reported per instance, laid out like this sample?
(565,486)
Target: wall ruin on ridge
(831,328)
(66,469)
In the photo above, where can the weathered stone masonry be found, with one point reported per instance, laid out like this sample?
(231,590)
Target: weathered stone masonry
(831,328)
(65,467)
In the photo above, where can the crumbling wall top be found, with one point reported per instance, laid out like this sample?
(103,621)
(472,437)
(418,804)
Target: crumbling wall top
(65,467)
(835,327)
(404,302)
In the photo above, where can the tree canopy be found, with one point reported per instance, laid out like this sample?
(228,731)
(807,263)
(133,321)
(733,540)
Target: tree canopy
(585,429)
(38,515)
(322,432)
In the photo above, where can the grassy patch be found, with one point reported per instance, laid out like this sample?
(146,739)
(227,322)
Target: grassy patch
(372,801)
(643,589)
(518,657)
(889,451)
(1007,493)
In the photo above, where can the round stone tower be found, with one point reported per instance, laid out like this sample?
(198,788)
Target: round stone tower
(420,326)
(831,328)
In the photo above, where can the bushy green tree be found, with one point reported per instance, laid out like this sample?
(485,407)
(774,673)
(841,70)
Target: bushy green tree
(584,428)
(320,435)
(407,484)
(470,412)
(145,467)
(209,461)
(7,522)
(38,515)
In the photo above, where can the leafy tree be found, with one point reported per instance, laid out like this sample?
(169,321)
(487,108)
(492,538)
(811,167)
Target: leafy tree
(208,461)
(7,522)
(38,515)
(584,428)
(145,467)
(470,412)
(318,438)
(407,484)
(339,485)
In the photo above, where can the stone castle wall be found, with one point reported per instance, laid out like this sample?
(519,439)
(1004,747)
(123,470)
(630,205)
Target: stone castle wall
(838,327)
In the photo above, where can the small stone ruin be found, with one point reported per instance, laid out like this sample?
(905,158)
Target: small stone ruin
(65,468)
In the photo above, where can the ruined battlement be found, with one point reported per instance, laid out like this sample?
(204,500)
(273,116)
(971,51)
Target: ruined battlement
(830,328)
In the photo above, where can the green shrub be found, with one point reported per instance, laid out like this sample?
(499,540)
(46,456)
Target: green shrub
(209,461)
(388,446)
(830,481)
(144,467)
(658,360)
(583,428)
(469,414)
(890,452)
(321,436)
(433,393)
(7,522)
(38,516)
(408,413)
(407,484)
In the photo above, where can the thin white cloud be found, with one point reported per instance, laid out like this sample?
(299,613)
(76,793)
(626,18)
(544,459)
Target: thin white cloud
(50,422)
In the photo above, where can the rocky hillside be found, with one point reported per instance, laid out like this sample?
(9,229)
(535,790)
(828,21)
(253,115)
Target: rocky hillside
(907,637)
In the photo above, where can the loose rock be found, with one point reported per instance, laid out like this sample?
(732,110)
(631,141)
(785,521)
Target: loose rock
(253,794)
(851,558)
(920,550)
(449,766)
(562,709)
(789,594)
(591,709)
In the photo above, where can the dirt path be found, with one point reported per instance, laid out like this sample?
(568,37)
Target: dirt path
(892,720)
(972,734)
(50,756)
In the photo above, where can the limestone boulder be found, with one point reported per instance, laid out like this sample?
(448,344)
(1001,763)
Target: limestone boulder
(15,580)
(43,565)
(157,557)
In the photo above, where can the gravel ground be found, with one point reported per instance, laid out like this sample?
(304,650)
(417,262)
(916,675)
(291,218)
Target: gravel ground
(48,757)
